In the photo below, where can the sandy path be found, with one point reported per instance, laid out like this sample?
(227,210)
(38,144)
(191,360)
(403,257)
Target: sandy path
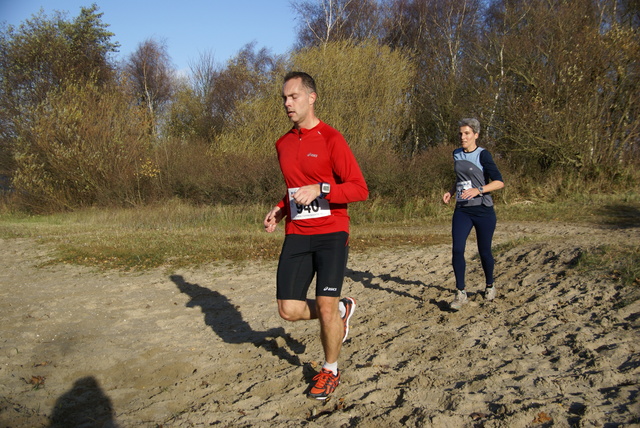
(200,347)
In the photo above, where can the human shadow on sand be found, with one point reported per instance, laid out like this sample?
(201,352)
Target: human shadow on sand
(84,405)
(367,280)
(225,319)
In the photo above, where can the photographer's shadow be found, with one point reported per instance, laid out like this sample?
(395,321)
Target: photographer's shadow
(84,405)
(225,319)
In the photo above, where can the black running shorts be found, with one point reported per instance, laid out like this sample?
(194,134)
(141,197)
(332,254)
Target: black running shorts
(304,256)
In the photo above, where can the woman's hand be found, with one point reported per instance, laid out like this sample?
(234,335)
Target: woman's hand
(446,197)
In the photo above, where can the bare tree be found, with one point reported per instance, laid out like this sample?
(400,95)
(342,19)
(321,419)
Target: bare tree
(325,21)
(203,74)
(441,36)
(569,83)
(150,74)
(209,105)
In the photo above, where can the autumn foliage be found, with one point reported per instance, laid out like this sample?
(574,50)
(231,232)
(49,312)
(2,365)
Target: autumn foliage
(555,84)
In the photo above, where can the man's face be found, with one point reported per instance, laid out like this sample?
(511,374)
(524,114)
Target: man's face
(298,101)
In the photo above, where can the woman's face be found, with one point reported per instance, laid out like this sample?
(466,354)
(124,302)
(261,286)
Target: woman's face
(468,138)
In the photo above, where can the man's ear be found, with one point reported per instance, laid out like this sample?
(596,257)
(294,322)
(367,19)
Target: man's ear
(312,98)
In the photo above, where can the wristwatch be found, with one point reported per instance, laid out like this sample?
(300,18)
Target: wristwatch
(481,190)
(325,189)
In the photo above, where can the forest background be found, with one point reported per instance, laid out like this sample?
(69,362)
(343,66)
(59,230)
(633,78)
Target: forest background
(554,83)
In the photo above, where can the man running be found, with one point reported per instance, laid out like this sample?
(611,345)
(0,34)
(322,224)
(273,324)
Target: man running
(322,176)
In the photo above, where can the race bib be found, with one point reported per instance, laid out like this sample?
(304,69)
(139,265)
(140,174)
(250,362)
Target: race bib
(318,208)
(461,187)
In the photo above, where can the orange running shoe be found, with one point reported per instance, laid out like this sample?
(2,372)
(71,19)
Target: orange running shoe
(326,383)
(350,307)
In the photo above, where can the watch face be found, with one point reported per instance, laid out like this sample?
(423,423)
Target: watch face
(326,188)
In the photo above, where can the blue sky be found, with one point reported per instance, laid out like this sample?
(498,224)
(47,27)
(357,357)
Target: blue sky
(189,27)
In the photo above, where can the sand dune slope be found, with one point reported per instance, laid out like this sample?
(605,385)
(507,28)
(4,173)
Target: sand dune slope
(202,347)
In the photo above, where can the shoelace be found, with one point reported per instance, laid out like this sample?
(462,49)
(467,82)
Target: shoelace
(323,377)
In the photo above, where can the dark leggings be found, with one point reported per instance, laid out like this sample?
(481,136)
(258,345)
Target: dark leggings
(461,225)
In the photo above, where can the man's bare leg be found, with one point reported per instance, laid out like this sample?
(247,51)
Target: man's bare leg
(331,327)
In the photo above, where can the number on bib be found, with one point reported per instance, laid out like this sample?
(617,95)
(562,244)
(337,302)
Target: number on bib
(316,209)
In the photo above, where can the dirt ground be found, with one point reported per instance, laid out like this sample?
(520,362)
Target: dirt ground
(205,346)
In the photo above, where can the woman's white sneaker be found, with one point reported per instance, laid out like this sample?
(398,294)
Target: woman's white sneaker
(490,293)
(460,299)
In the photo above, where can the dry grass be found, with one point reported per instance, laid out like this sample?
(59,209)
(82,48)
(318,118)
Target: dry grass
(174,233)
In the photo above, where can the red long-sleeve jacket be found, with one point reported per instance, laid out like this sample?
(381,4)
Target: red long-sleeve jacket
(320,155)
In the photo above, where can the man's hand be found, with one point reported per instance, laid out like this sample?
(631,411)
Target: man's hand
(307,194)
(272,219)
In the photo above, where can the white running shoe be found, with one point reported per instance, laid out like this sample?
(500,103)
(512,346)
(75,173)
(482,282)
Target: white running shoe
(349,308)
(461,299)
(490,293)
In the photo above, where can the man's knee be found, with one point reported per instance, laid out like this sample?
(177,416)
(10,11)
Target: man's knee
(327,307)
(291,310)
(286,314)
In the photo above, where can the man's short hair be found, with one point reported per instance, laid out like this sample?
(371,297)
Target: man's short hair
(307,80)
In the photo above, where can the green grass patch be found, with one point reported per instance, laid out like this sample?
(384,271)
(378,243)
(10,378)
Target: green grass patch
(620,262)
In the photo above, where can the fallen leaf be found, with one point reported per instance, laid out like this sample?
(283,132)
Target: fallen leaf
(36,381)
(542,418)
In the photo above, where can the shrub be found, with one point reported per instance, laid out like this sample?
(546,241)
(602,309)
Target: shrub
(86,146)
